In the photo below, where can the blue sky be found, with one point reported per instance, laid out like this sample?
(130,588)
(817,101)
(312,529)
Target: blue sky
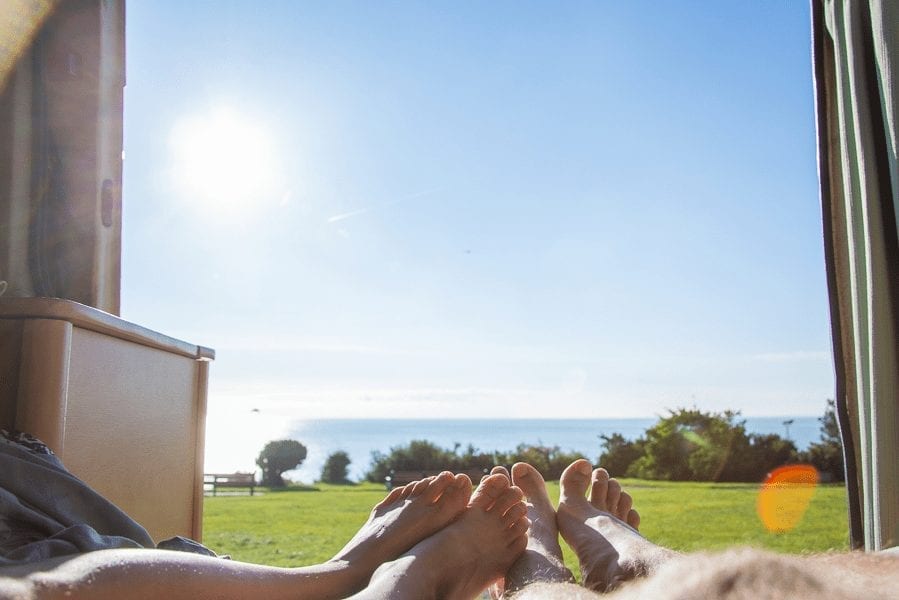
(479,209)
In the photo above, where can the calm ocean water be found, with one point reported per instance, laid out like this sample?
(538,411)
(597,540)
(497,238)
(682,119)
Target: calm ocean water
(359,437)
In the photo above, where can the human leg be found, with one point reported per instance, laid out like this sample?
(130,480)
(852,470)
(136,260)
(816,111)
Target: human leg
(542,559)
(405,517)
(149,574)
(747,573)
(541,567)
(602,529)
(463,558)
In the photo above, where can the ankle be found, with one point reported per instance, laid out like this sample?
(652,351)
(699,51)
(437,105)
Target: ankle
(537,566)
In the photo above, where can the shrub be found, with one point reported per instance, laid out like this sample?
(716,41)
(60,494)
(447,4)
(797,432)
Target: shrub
(753,458)
(827,455)
(277,457)
(422,455)
(335,469)
(688,445)
(549,460)
(619,453)
(691,445)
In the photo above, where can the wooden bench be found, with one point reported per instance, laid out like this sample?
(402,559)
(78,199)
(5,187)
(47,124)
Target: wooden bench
(230,480)
(401,478)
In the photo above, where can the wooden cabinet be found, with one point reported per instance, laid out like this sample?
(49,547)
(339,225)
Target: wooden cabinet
(122,406)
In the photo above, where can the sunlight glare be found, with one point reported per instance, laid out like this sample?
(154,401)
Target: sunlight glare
(225,160)
(785,496)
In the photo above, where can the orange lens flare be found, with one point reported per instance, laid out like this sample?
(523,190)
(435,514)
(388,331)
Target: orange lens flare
(785,496)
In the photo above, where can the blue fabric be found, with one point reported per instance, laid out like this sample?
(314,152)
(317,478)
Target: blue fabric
(46,512)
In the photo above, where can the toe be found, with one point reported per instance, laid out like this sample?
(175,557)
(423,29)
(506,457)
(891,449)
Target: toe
(613,496)
(462,482)
(519,528)
(599,488)
(531,482)
(490,488)
(633,519)
(390,498)
(625,503)
(575,480)
(517,511)
(407,490)
(510,498)
(457,492)
(501,470)
(437,486)
(419,487)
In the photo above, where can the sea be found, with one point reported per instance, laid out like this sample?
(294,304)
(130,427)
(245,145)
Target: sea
(360,437)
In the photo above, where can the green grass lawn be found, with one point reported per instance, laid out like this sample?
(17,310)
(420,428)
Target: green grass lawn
(295,528)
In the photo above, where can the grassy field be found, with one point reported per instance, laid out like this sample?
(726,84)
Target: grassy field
(294,528)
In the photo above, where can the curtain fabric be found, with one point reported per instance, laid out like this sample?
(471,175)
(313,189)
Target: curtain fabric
(856,49)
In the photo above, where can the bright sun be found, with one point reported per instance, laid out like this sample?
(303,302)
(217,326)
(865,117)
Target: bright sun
(224,159)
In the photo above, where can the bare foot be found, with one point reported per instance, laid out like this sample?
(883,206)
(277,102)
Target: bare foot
(602,530)
(463,558)
(542,559)
(406,516)
(606,495)
(498,588)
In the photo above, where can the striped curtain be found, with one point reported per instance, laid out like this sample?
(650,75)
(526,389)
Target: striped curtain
(856,50)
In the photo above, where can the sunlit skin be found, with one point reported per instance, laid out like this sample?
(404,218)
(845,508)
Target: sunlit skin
(596,518)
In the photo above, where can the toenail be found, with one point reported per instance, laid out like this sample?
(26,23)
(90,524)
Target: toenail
(522,472)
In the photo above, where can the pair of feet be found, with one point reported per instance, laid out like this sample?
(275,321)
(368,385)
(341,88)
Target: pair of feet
(436,539)
(595,517)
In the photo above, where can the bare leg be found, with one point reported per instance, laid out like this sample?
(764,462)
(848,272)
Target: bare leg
(542,559)
(748,573)
(405,517)
(602,530)
(140,574)
(462,559)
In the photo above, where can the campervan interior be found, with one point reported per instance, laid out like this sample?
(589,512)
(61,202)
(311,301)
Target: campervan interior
(124,406)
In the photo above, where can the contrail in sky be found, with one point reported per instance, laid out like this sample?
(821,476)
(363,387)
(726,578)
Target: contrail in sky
(352,213)
(362,211)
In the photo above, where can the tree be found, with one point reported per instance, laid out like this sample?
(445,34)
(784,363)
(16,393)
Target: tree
(752,459)
(418,455)
(619,453)
(704,446)
(422,455)
(335,469)
(827,455)
(425,456)
(277,457)
(689,445)
(550,461)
